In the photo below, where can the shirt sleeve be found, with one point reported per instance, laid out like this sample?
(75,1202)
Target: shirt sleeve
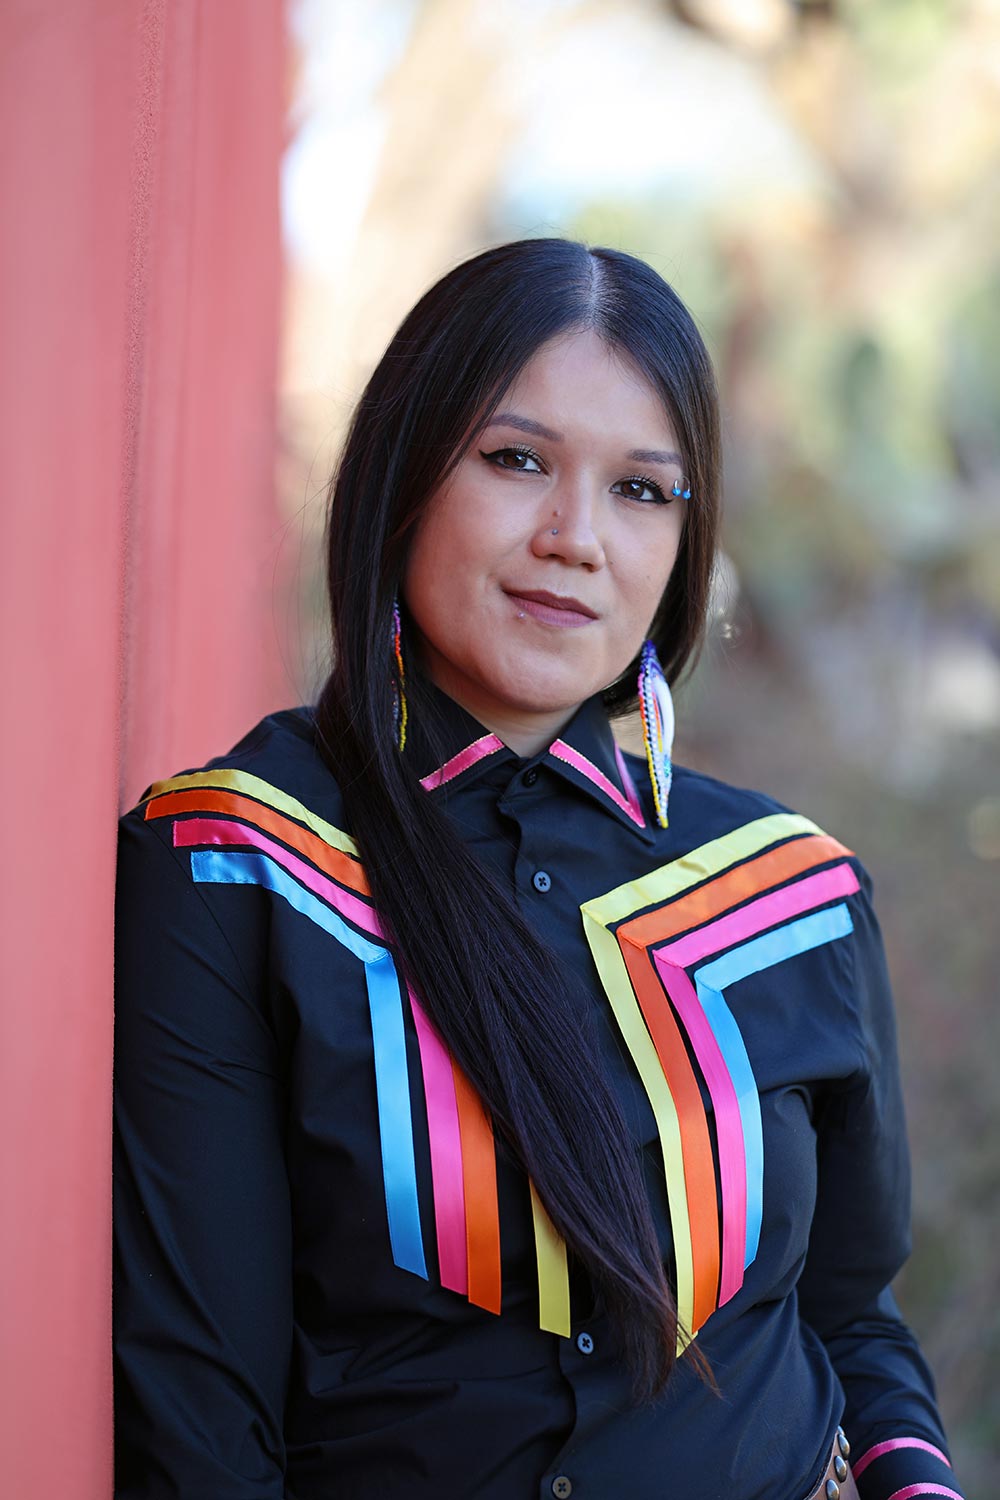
(202,1278)
(860,1239)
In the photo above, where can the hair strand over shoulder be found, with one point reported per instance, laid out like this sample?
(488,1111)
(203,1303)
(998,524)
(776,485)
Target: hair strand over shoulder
(482,972)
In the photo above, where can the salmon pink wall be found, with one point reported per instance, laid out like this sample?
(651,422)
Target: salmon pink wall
(140,287)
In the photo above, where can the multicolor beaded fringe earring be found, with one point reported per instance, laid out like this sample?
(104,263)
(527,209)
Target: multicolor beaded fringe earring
(657,709)
(399,679)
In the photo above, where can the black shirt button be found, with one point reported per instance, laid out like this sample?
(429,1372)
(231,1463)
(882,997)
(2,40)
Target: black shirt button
(530,777)
(542,881)
(585,1343)
(562,1486)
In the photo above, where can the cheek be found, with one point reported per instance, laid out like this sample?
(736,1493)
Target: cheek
(460,547)
(443,569)
(645,573)
(424,577)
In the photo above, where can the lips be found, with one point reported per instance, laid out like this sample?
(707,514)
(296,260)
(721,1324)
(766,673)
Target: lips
(554,609)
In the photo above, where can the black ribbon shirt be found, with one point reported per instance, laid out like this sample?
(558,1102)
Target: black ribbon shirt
(330,1280)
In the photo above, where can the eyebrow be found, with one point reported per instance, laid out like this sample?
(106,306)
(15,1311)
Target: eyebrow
(537,429)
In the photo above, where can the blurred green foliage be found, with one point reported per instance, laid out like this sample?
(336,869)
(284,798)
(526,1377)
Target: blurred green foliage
(854,669)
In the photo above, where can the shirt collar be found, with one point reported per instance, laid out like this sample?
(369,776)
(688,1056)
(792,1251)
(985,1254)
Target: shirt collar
(454,750)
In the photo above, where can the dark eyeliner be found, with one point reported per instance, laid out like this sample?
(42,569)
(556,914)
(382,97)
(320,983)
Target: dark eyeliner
(511,448)
(649,483)
(660,497)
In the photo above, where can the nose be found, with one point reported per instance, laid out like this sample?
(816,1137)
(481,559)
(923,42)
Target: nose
(566,527)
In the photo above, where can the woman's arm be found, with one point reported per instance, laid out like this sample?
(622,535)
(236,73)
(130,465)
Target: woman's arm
(860,1238)
(202,1284)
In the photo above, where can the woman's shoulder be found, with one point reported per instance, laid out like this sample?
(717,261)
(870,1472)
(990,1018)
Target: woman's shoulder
(700,794)
(715,790)
(703,808)
(274,771)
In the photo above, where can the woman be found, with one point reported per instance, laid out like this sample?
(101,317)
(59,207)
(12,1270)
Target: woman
(497,1114)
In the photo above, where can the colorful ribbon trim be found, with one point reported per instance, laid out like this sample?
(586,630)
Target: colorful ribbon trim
(553,1272)
(253,787)
(223,831)
(627,799)
(614,977)
(925,1487)
(489,744)
(385,1006)
(891,1445)
(738,897)
(463,1166)
(631,795)
(579,762)
(641,960)
(446,1152)
(718,1044)
(710,982)
(695,1141)
(482,1220)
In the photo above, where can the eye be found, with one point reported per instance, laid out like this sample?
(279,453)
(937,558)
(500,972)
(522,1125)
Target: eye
(518,451)
(522,455)
(680,487)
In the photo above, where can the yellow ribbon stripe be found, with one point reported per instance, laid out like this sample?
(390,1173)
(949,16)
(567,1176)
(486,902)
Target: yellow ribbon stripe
(618,988)
(624,901)
(708,859)
(255,786)
(553,1272)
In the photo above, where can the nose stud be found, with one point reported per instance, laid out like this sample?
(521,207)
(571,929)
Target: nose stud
(555,531)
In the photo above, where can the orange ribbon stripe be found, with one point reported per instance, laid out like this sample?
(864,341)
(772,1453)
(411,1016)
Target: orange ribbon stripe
(339,866)
(728,890)
(479,1175)
(696,1143)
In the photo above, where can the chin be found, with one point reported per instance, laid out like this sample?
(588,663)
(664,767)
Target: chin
(542,693)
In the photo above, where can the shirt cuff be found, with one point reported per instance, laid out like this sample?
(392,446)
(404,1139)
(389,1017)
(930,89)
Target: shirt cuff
(904,1468)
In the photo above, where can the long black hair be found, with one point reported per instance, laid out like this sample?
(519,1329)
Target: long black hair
(482,972)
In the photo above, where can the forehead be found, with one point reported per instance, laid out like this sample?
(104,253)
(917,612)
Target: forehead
(580,385)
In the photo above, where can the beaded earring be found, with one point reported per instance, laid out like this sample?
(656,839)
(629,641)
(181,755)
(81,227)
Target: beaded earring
(657,709)
(399,679)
